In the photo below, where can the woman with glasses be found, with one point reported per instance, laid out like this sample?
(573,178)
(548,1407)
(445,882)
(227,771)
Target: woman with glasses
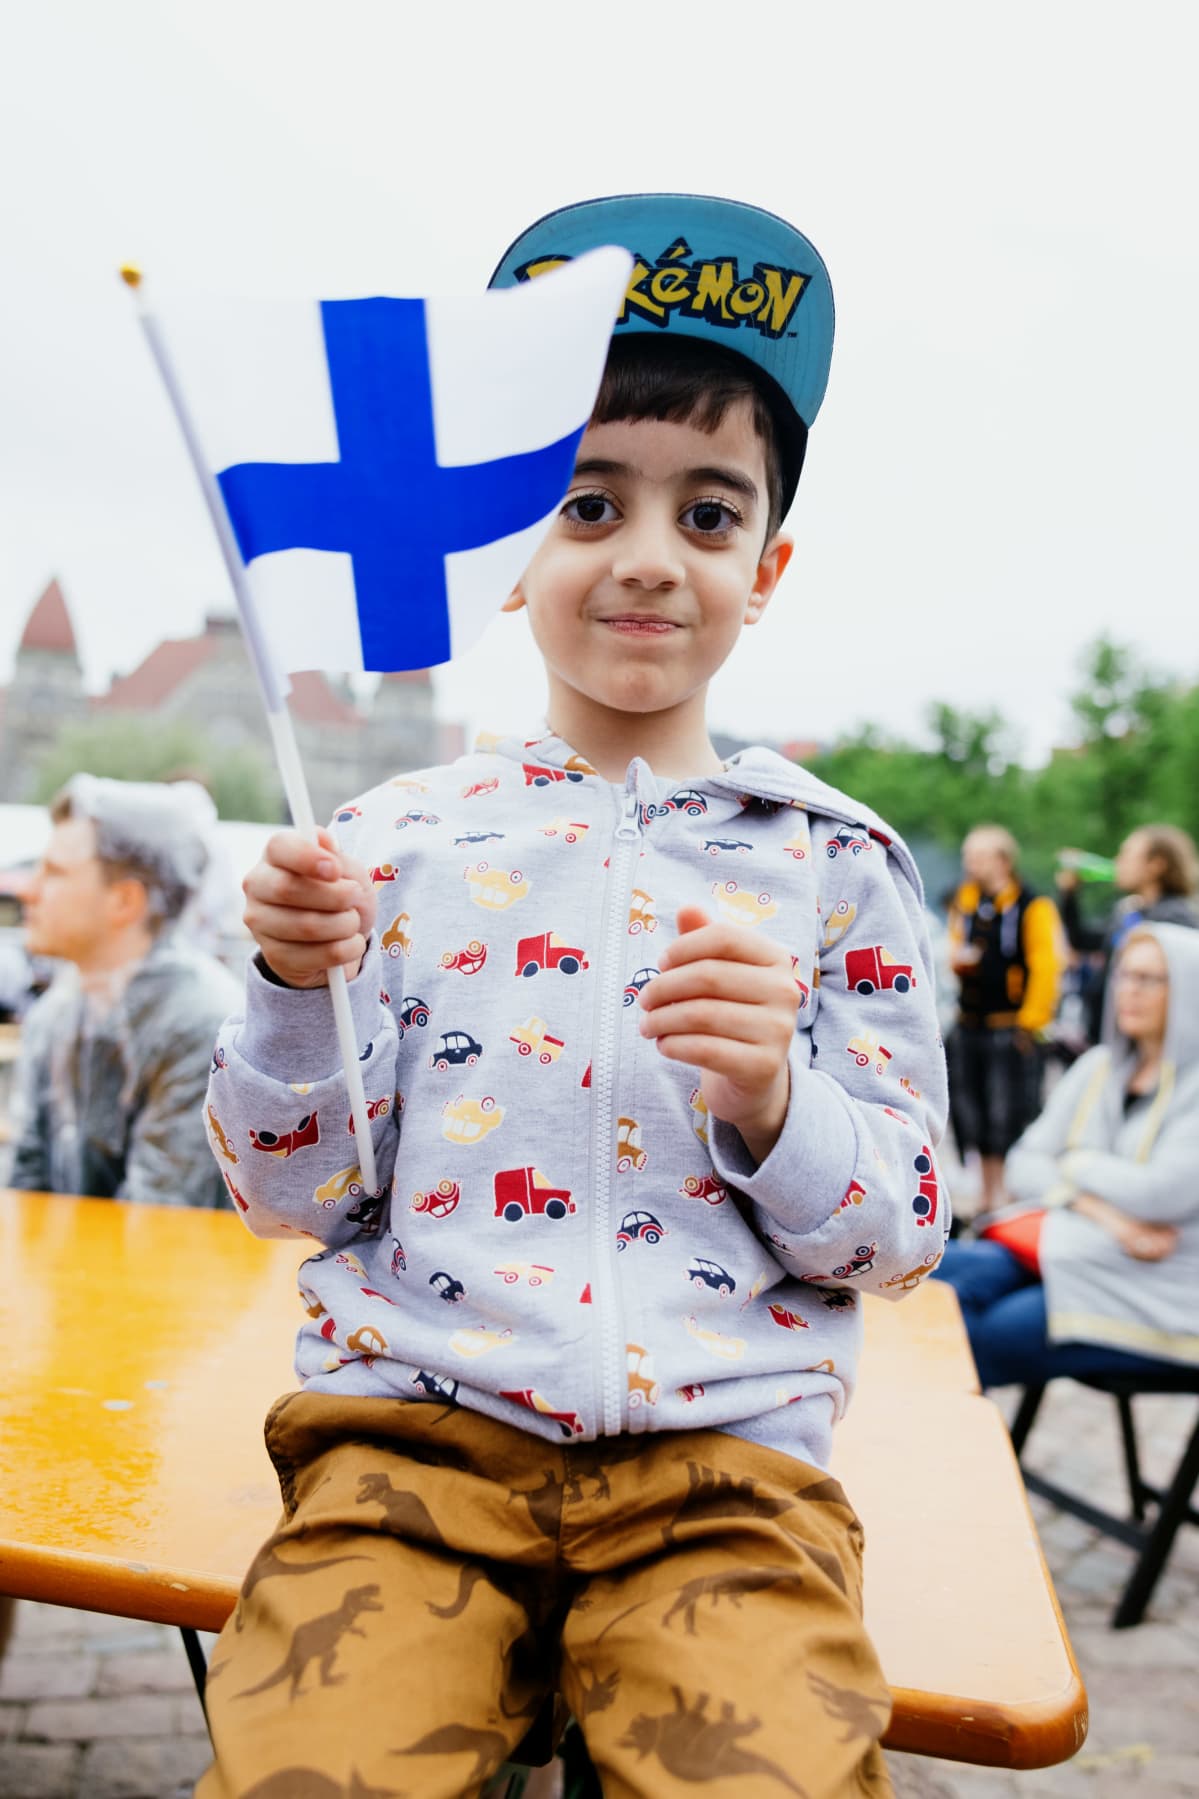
(1094,1269)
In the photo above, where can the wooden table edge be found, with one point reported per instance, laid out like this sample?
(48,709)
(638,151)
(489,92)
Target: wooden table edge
(1027,1735)
(124,1589)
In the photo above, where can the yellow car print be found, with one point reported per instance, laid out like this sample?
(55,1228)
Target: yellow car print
(740,905)
(533,1038)
(470,1120)
(495,888)
(346,1184)
(479,1341)
(699,1114)
(730,1349)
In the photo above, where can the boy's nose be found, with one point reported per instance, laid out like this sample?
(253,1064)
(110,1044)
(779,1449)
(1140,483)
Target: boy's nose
(646,557)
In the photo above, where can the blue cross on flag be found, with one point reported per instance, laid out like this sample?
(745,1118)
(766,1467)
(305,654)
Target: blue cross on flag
(389,466)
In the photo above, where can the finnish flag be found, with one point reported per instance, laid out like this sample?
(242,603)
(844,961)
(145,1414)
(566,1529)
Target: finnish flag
(389,466)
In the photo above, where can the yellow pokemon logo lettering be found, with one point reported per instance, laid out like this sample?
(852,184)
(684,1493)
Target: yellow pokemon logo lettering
(714,290)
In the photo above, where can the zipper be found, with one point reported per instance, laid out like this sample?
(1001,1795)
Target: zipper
(606,1292)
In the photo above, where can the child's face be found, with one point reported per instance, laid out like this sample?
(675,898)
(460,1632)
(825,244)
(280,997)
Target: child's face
(654,563)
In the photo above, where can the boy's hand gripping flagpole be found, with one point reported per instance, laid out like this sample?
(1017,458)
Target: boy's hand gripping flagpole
(274,694)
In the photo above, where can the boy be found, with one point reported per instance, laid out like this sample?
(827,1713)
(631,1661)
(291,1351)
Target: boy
(570,1378)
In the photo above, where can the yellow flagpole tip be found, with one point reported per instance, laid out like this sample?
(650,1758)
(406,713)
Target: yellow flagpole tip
(130,274)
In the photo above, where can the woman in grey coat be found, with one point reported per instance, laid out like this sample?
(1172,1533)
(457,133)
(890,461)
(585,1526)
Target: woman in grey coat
(1114,1161)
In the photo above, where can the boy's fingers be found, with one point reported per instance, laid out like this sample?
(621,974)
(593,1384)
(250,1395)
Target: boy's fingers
(730,1019)
(730,943)
(717,1055)
(691,918)
(293,851)
(293,925)
(271,886)
(752,985)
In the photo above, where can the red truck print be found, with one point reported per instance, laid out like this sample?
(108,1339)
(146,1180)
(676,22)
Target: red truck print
(925,1203)
(854,1194)
(872,968)
(536,776)
(478,787)
(526,1193)
(547,950)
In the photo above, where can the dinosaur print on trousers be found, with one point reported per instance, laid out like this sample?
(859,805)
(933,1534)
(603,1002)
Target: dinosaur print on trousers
(318,1640)
(693,1747)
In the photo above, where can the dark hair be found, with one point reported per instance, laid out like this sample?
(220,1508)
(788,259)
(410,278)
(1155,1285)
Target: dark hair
(692,382)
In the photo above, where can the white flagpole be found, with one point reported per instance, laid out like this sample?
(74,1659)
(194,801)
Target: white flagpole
(278,718)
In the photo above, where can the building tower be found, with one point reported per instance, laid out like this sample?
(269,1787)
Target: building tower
(45,694)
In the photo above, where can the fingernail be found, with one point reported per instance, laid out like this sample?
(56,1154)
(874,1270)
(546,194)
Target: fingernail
(326,867)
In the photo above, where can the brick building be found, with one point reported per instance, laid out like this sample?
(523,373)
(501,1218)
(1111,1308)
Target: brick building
(346,744)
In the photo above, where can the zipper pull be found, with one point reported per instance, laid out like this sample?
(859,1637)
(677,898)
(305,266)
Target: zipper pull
(629,826)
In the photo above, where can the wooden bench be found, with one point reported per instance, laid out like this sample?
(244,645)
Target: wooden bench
(145,1344)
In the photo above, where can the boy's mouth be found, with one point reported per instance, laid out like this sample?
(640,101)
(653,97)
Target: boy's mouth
(638,624)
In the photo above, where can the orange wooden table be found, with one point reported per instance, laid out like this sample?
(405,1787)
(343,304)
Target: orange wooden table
(143,1346)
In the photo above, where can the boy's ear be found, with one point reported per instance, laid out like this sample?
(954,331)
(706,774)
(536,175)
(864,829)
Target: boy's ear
(774,560)
(515,600)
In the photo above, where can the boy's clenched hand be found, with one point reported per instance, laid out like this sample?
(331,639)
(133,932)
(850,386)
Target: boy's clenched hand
(309,908)
(726,1001)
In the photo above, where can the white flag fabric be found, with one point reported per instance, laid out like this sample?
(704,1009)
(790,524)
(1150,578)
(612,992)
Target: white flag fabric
(389,465)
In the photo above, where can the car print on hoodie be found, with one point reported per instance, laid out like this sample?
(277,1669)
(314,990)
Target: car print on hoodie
(532,1121)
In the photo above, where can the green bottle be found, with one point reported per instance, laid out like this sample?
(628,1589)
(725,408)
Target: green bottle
(1086,866)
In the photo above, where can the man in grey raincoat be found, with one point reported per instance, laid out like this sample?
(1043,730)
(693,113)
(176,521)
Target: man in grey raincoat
(116,1053)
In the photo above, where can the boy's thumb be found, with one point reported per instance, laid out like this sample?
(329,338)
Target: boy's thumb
(691,918)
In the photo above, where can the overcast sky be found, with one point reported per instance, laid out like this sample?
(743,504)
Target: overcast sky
(1006,461)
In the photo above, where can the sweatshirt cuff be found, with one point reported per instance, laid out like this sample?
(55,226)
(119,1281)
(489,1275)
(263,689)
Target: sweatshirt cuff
(804,1178)
(289,1033)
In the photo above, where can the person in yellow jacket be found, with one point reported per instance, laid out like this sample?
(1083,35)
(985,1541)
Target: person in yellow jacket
(1008,952)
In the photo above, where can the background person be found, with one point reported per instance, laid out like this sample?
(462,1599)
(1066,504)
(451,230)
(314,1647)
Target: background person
(1157,872)
(1007,951)
(115,1055)
(1112,1159)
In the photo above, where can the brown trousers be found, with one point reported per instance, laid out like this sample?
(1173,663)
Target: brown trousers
(695,1599)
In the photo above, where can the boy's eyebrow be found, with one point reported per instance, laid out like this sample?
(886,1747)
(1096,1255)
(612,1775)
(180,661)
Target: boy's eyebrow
(715,473)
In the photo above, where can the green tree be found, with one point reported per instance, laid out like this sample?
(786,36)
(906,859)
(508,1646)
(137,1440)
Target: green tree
(126,747)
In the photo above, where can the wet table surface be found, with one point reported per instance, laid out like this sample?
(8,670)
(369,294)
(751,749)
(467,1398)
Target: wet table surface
(144,1345)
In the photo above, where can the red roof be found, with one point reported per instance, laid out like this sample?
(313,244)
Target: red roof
(152,680)
(313,701)
(49,626)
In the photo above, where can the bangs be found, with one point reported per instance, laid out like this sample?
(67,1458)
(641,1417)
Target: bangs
(686,382)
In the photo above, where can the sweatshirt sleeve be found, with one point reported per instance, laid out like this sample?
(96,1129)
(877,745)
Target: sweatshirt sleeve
(1033,1171)
(1162,1189)
(850,1189)
(1044,956)
(277,1110)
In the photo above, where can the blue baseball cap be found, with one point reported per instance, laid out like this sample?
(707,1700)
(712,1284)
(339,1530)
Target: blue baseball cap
(713,269)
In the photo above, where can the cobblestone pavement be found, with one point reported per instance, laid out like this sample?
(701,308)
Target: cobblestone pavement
(93,1707)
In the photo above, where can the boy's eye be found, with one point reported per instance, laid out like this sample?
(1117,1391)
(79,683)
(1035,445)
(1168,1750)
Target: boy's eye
(589,509)
(711,518)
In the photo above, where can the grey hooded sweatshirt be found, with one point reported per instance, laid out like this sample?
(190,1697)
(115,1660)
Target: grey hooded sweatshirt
(565,1239)
(110,1079)
(1143,1158)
